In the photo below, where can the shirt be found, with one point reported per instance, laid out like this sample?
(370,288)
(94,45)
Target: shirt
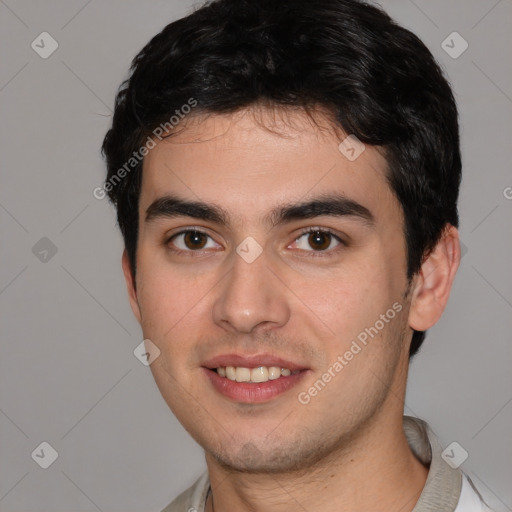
(447,489)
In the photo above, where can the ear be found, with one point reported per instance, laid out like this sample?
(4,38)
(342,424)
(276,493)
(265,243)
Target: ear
(130,285)
(434,281)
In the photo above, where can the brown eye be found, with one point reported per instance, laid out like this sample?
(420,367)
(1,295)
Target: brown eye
(192,240)
(319,240)
(195,240)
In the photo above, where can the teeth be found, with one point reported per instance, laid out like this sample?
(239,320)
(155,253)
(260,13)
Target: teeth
(260,374)
(243,374)
(274,372)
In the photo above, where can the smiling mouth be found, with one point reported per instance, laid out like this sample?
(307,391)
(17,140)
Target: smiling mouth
(253,384)
(254,375)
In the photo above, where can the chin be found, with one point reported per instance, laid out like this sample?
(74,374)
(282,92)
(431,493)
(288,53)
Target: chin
(251,459)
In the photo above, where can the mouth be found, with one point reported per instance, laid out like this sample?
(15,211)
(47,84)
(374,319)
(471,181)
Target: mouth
(259,374)
(254,379)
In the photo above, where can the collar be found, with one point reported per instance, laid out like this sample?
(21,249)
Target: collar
(441,491)
(443,486)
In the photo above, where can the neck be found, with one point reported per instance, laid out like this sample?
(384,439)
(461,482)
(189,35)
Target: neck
(377,472)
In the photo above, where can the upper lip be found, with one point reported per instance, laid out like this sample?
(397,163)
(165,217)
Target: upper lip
(252,361)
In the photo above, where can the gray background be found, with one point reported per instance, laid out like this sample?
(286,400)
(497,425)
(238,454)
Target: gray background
(68,373)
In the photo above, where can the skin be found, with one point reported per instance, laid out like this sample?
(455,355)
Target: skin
(345,449)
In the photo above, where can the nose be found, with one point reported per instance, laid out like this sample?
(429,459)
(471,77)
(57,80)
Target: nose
(250,298)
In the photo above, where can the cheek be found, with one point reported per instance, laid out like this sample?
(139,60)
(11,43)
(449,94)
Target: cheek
(363,309)
(176,310)
(164,298)
(347,299)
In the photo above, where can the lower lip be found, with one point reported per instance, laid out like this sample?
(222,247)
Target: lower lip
(252,393)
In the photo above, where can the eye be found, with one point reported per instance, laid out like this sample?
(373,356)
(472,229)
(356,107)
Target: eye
(317,240)
(192,240)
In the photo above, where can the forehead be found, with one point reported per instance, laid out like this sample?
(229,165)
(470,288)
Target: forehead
(254,159)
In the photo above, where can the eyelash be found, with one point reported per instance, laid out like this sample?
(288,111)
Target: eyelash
(181,252)
(306,231)
(326,253)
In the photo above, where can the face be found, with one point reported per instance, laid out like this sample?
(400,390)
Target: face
(270,257)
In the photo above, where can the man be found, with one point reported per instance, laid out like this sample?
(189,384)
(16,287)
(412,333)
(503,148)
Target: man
(286,178)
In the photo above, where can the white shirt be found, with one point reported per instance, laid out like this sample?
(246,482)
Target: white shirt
(470,500)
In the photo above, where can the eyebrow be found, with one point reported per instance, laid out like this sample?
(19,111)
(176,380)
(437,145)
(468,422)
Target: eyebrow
(325,205)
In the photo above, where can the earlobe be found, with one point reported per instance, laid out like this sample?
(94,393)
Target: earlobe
(434,281)
(130,285)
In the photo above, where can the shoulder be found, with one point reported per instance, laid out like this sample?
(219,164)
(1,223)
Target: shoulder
(193,498)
